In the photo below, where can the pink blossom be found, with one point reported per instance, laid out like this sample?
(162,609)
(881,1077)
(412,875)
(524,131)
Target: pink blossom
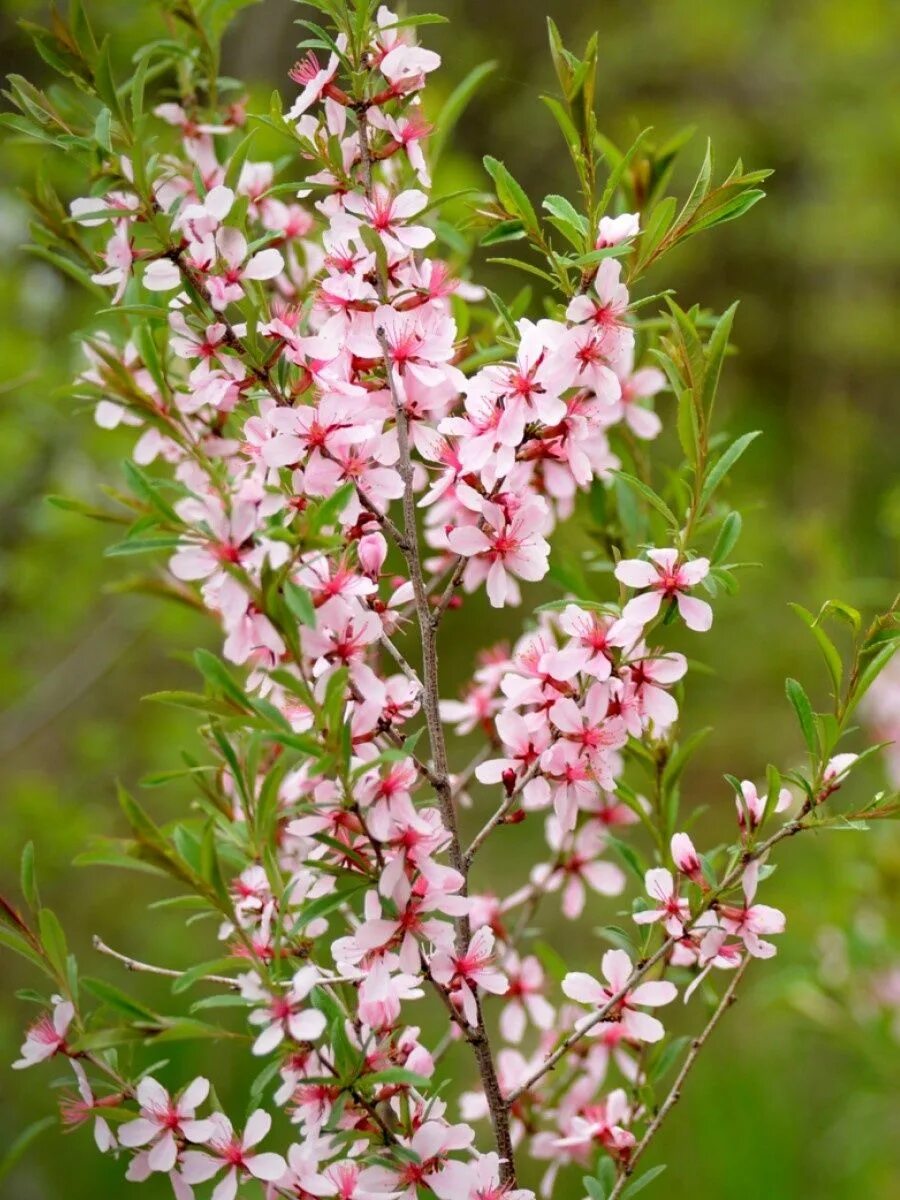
(602,1124)
(751,807)
(667,578)
(509,546)
(673,910)
(287,1013)
(47,1035)
(525,999)
(463,974)
(75,1110)
(751,920)
(233,1153)
(686,858)
(614,230)
(164,1119)
(617,971)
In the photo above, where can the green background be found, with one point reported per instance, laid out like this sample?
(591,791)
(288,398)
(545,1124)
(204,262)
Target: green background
(798,1099)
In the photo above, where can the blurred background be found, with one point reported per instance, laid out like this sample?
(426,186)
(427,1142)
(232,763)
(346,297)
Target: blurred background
(799,1098)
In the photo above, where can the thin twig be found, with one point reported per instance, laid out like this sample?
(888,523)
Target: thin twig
(674,1095)
(134,964)
(585,1025)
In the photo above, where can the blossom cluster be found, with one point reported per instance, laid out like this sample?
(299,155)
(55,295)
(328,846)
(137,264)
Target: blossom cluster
(312,397)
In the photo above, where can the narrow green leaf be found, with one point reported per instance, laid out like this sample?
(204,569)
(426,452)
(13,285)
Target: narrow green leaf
(650,496)
(28,878)
(20,1145)
(454,107)
(803,709)
(53,939)
(119,1000)
(643,1181)
(826,645)
(727,539)
(723,465)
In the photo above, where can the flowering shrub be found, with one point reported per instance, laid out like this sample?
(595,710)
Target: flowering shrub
(352,436)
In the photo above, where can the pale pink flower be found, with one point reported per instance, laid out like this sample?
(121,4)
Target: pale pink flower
(686,858)
(617,971)
(388,215)
(525,999)
(838,768)
(315,80)
(233,1154)
(463,974)
(667,578)
(614,230)
(602,1124)
(506,548)
(671,909)
(638,385)
(750,812)
(486,1185)
(286,1012)
(47,1035)
(163,1120)
(74,1110)
(430,1168)
(751,920)
(225,288)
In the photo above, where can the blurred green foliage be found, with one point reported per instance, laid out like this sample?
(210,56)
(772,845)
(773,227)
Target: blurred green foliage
(799,1097)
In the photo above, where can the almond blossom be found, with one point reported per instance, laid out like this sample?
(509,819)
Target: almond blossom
(617,971)
(668,578)
(234,1154)
(355,448)
(46,1036)
(671,909)
(165,1122)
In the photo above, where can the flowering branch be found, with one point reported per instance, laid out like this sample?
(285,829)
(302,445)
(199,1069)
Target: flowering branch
(320,391)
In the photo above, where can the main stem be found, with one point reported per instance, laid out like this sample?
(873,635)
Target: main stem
(428,626)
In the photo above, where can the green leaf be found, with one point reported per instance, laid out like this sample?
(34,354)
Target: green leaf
(186,1029)
(102,130)
(220,678)
(53,939)
(27,877)
(568,220)
(727,539)
(650,496)
(729,211)
(454,107)
(504,231)
(20,1145)
(723,465)
(299,601)
(105,1039)
(871,673)
(525,266)
(119,1000)
(398,1075)
(329,510)
(511,194)
(639,1184)
(667,1058)
(716,348)
(826,645)
(803,709)
(594,1188)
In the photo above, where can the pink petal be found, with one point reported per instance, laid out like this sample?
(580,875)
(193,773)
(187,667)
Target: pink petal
(697,614)
(636,573)
(584,988)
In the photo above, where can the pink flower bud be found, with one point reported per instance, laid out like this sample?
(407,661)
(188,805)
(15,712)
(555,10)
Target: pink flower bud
(372,552)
